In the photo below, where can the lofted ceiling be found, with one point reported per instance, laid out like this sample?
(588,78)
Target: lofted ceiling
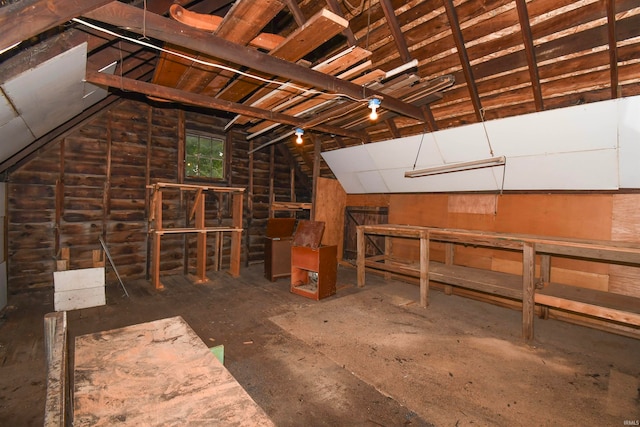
(270,66)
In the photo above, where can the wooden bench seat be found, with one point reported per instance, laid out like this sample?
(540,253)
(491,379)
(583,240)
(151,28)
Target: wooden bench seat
(605,305)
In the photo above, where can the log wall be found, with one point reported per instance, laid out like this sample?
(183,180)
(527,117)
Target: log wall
(92,183)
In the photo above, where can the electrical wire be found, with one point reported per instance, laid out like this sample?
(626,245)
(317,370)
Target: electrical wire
(304,90)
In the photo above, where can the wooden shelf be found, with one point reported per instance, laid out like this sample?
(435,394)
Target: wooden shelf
(525,287)
(157,228)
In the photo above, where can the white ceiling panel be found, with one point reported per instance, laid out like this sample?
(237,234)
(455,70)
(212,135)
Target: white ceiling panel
(629,141)
(51,93)
(587,170)
(351,159)
(463,144)
(7,113)
(15,136)
(403,152)
(580,128)
(372,182)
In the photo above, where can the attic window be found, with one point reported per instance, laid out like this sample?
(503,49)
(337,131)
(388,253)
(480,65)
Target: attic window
(204,156)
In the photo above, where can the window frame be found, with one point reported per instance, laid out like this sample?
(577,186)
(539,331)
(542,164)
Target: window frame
(213,137)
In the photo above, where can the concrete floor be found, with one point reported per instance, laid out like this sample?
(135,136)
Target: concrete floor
(364,357)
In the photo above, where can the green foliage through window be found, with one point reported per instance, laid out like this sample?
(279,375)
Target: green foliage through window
(204,156)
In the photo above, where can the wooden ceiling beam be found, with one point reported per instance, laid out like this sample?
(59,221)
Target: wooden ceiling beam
(164,29)
(295,10)
(28,18)
(188,98)
(527,39)
(464,58)
(396,31)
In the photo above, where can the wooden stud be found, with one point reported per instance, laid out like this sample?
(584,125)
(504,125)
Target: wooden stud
(424,269)
(528,289)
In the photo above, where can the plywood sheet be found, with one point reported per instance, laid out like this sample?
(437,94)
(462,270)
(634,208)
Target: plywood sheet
(625,226)
(582,216)
(473,203)
(156,374)
(329,207)
(418,209)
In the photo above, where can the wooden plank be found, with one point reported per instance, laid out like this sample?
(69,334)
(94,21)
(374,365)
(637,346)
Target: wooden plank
(56,353)
(210,23)
(183,382)
(606,305)
(424,269)
(269,98)
(317,30)
(528,289)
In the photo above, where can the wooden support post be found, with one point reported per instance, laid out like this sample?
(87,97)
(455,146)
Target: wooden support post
(56,353)
(388,247)
(545,278)
(528,289)
(236,236)
(360,255)
(424,269)
(201,245)
(157,218)
(448,260)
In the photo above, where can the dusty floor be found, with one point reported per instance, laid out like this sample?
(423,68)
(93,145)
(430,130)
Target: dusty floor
(363,357)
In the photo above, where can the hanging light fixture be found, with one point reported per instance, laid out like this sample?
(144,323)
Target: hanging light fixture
(374,103)
(299,133)
(457,167)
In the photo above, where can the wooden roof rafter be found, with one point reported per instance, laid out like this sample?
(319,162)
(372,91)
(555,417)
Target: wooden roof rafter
(396,32)
(613,47)
(525,27)
(464,58)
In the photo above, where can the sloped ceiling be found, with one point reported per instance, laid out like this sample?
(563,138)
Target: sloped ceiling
(476,61)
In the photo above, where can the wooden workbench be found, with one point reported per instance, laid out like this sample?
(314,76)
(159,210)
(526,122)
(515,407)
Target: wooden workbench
(619,308)
(156,373)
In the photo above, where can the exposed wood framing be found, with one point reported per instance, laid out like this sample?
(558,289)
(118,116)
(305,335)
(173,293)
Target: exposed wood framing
(164,29)
(347,32)
(396,32)
(527,39)
(613,47)
(205,101)
(464,58)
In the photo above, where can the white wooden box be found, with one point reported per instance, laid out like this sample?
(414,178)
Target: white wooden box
(75,289)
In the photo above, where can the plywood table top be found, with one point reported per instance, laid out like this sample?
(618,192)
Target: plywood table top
(156,373)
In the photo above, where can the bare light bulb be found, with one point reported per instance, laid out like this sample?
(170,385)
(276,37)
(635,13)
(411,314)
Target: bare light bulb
(374,104)
(299,133)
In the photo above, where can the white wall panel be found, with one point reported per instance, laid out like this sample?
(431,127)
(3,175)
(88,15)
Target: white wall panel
(7,113)
(15,135)
(51,93)
(463,144)
(580,128)
(588,147)
(629,141)
(588,170)
(403,152)
(372,182)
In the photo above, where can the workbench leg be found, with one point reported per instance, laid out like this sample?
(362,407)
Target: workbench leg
(448,260)
(424,270)
(201,244)
(360,256)
(388,243)
(528,289)
(155,262)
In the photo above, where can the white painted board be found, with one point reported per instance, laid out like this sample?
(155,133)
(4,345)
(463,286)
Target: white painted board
(629,141)
(75,289)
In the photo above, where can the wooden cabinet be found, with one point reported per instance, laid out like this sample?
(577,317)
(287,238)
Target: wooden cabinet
(314,271)
(313,267)
(277,248)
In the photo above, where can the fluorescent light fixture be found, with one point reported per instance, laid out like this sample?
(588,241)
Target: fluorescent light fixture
(457,167)
(404,67)
(6,49)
